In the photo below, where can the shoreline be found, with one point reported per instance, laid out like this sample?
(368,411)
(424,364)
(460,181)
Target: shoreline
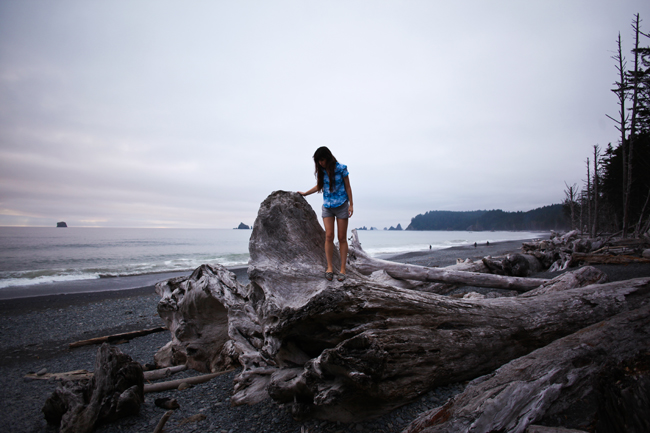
(448,256)
(81,292)
(100,285)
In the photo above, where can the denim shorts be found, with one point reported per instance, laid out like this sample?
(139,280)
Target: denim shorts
(340,212)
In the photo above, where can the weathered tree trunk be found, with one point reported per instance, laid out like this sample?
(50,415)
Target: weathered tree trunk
(346,351)
(365,264)
(596,377)
(114,391)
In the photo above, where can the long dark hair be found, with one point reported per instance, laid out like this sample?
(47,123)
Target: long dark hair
(323,153)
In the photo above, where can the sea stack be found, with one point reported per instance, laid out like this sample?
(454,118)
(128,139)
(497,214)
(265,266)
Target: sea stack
(61,224)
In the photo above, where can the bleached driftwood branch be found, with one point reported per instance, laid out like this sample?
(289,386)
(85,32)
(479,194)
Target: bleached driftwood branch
(116,337)
(173,384)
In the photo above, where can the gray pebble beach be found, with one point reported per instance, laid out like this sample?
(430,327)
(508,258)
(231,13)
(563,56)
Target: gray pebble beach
(37,340)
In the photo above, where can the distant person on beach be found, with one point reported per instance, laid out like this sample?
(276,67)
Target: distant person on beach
(475,245)
(332,179)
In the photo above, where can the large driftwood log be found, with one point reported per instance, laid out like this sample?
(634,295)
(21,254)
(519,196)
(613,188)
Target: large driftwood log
(345,351)
(597,377)
(367,265)
(114,391)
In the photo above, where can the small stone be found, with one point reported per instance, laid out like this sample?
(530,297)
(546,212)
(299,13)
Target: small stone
(41,372)
(183,386)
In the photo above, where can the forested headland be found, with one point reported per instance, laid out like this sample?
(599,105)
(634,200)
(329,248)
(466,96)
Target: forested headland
(544,218)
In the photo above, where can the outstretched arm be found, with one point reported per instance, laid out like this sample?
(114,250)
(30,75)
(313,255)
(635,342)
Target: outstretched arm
(311,191)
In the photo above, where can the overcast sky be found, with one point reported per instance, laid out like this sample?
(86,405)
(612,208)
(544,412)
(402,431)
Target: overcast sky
(188,114)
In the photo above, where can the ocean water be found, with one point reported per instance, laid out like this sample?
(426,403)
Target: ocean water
(32,256)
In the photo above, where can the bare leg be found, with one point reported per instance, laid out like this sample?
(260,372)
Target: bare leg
(329,242)
(342,225)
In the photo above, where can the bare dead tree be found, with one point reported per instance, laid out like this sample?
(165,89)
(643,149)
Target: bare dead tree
(621,91)
(571,194)
(582,207)
(633,118)
(596,177)
(589,220)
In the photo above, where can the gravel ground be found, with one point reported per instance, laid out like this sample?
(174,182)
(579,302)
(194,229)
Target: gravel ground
(35,336)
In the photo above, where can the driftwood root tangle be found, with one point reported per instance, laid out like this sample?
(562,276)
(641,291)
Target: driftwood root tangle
(114,391)
(195,309)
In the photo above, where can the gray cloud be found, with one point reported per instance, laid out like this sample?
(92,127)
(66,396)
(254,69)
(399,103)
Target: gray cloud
(161,114)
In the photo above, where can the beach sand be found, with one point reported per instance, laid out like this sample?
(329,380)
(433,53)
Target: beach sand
(448,256)
(35,333)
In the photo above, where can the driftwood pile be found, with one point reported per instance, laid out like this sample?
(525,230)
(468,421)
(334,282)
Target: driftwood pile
(572,249)
(356,349)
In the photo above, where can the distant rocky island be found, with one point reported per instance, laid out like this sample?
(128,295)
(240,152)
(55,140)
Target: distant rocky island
(243,226)
(61,224)
(399,227)
(366,228)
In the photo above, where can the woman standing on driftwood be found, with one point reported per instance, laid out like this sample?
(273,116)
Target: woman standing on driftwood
(332,179)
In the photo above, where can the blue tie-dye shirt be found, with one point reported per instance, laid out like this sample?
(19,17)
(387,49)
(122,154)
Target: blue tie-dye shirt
(336,198)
